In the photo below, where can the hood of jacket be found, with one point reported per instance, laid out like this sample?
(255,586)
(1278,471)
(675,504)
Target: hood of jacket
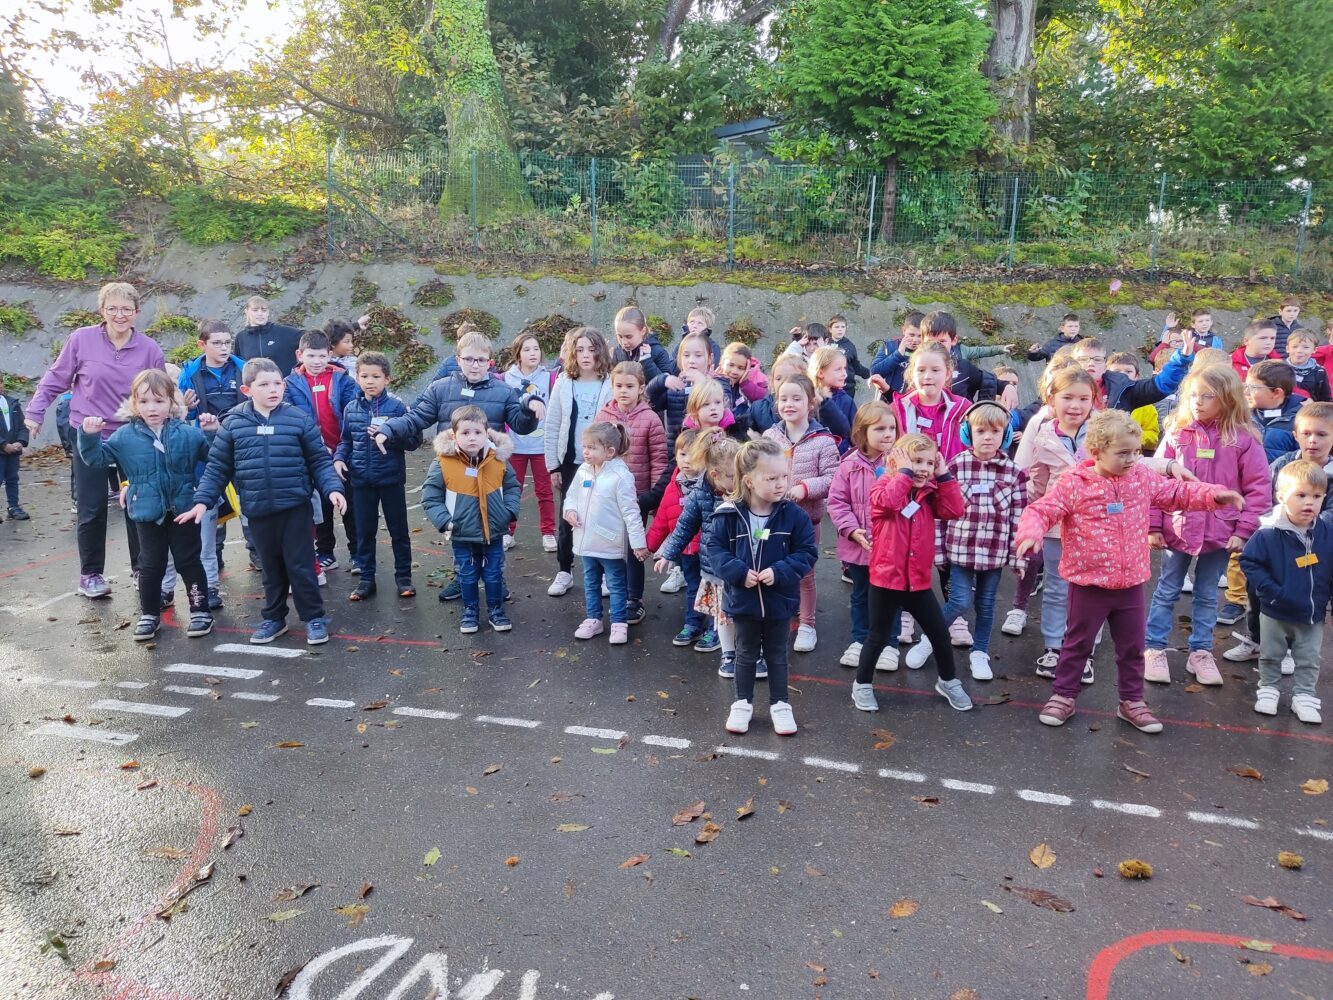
(497,444)
(728,418)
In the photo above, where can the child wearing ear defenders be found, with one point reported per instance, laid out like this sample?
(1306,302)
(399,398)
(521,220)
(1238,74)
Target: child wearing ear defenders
(980,543)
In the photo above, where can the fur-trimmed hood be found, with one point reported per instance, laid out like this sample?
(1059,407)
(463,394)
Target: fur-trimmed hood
(499,443)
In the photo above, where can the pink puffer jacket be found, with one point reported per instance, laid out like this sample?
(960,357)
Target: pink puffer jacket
(1106,520)
(814,460)
(849,504)
(647,457)
(1239,465)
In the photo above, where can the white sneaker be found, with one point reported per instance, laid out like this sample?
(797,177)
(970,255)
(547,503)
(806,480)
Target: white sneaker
(908,632)
(806,637)
(606,591)
(979,663)
(863,697)
(1187,587)
(1014,622)
(784,723)
(561,584)
(888,660)
(1245,649)
(548,543)
(738,720)
(1306,707)
(1265,701)
(1288,666)
(959,633)
(508,542)
(674,582)
(919,654)
(851,657)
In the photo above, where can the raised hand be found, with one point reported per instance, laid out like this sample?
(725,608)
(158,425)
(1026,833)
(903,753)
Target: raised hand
(209,422)
(93,425)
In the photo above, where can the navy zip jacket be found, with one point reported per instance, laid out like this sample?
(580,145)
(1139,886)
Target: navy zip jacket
(1278,427)
(854,367)
(342,390)
(274,341)
(1048,349)
(1283,332)
(786,544)
(1288,591)
(656,360)
(696,517)
(276,462)
(763,414)
(969,381)
(366,465)
(1125,393)
(501,403)
(217,389)
(17,431)
(837,413)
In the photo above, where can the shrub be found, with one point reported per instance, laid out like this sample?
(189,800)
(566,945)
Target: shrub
(550,331)
(206,218)
(76,318)
(482,320)
(388,329)
(18,318)
(173,323)
(414,359)
(652,191)
(666,333)
(744,330)
(364,291)
(433,295)
(16,385)
(185,353)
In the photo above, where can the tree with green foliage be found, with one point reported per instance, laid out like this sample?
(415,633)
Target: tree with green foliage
(897,81)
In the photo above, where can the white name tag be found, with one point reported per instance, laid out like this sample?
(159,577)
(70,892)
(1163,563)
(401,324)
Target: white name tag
(317,388)
(470,472)
(469,392)
(923,421)
(1270,414)
(911,509)
(979,488)
(157,443)
(265,429)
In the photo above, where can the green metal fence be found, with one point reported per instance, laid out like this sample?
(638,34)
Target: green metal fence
(739,210)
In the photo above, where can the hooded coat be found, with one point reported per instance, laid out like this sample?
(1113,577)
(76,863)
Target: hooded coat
(474,498)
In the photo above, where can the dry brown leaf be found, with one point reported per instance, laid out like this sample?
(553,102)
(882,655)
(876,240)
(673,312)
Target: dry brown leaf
(1259,968)
(366,889)
(1289,860)
(234,833)
(663,695)
(814,967)
(813,872)
(745,811)
(36,772)
(512,861)
(355,913)
(288,977)
(294,892)
(288,745)
(688,815)
(166,853)
(1270,903)
(784,806)
(1193,688)
(1136,772)
(708,834)
(903,908)
(362,727)
(635,860)
(1134,868)
(820,981)
(965,994)
(1042,856)
(245,810)
(1042,898)
(927,800)
(1245,771)
(1180,956)
(884,739)
(1315,786)
(491,769)
(66,831)
(129,765)
(104,965)
(471,791)
(570,889)
(143,786)
(572,828)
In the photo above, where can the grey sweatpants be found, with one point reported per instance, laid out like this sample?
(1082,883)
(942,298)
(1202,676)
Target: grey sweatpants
(1304,640)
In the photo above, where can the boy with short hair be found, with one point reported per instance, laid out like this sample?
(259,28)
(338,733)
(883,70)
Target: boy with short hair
(273,453)
(1289,563)
(837,331)
(262,338)
(13,439)
(1311,379)
(1201,322)
(909,339)
(1145,416)
(1269,388)
(323,390)
(1256,344)
(1285,323)
(1120,391)
(377,477)
(1066,335)
(969,380)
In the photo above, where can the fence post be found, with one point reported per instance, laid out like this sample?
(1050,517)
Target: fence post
(592,205)
(731,216)
(1013,224)
(1157,228)
(1300,238)
(328,193)
(870,220)
(476,230)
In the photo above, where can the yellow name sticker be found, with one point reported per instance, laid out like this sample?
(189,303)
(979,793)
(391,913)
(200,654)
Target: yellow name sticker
(1206,453)
(1306,561)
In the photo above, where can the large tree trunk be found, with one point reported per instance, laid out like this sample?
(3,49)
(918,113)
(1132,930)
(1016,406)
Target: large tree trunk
(888,211)
(475,114)
(676,13)
(1009,65)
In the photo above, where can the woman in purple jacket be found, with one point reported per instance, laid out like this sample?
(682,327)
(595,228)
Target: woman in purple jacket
(98,363)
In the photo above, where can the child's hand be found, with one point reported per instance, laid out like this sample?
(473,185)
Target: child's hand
(338,502)
(1229,498)
(93,425)
(538,408)
(1156,540)
(209,422)
(1008,398)
(1033,348)
(1170,320)
(381,439)
(675,383)
(1026,547)
(572,518)
(190,398)
(120,497)
(555,480)
(860,538)
(1177,471)
(1234,544)
(766,576)
(341,469)
(799,492)
(878,382)
(661,565)
(195,514)
(1188,342)
(941,467)
(751,578)
(13,448)
(641,554)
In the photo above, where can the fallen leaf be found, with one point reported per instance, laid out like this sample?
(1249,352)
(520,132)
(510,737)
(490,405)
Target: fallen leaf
(745,811)
(143,786)
(569,887)
(294,892)
(815,967)
(820,981)
(432,856)
(1259,968)
(1245,771)
(1193,688)
(1270,903)
(884,739)
(282,915)
(872,973)
(52,941)
(288,745)
(1042,856)
(1042,898)
(604,749)
(1178,954)
(361,727)
(927,800)
(1136,772)
(166,853)
(965,994)
(355,913)
(245,810)
(554,760)
(512,861)
(1253,945)
(634,860)
(1289,860)
(36,772)
(66,831)
(572,828)
(565,796)
(1134,868)
(784,806)
(679,852)
(104,965)
(630,697)
(129,765)
(813,872)
(285,983)
(991,906)
(708,834)
(366,889)
(252,725)
(492,768)
(234,833)
(903,908)
(688,815)
(1098,873)
(1315,786)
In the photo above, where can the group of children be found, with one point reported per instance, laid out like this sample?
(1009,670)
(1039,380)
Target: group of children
(722,475)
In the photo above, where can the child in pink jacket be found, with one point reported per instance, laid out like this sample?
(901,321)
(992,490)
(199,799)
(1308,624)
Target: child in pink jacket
(1104,508)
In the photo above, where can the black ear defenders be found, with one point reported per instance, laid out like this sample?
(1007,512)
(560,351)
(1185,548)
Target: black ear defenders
(965,428)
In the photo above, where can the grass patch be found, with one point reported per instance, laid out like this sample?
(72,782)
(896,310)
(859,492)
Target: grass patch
(665,332)
(16,385)
(482,320)
(207,218)
(75,319)
(185,353)
(63,228)
(364,291)
(433,295)
(169,323)
(18,318)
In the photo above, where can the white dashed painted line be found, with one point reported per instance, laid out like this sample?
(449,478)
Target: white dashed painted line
(75,684)
(237,673)
(253,696)
(425,713)
(1217,819)
(1310,831)
(671,742)
(597,734)
(178,689)
(278,652)
(888,772)
(88,733)
(1045,798)
(139,708)
(831,765)
(968,786)
(132,685)
(746,752)
(330,703)
(1129,808)
(507,720)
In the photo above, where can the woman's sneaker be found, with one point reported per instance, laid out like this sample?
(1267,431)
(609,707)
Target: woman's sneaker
(738,719)
(851,656)
(561,584)
(1014,622)
(1056,711)
(918,655)
(708,642)
(979,664)
(806,639)
(863,697)
(589,628)
(954,693)
(888,660)
(784,723)
(727,668)
(1265,701)
(1155,668)
(619,633)
(1306,707)
(674,582)
(146,628)
(687,636)
(1137,715)
(1046,664)
(201,623)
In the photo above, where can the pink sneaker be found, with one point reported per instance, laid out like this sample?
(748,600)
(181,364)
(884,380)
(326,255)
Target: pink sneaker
(1057,710)
(1137,715)
(1204,668)
(907,635)
(1155,667)
(589,628)
(619,632)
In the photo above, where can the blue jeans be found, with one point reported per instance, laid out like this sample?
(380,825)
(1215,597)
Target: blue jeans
(487,561)
(594,568)
(1208,569)
(986,582)
(860,601)
(694,620)
(1055,598)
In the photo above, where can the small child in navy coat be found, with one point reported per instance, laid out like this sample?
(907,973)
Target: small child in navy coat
(762,545)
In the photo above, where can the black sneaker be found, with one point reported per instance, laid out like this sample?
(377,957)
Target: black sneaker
(200,624)
(365,589)
(406,588)
(214,599)
(328,562)
(635,612)
(147,628)
(18,514)
(168,600)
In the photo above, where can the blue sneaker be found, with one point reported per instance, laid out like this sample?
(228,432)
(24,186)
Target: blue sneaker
(500,621)
(267,632)
(316,631)
(708,643)
(687,636)
(469,621)
(761,669)
(727,668)
(451,591)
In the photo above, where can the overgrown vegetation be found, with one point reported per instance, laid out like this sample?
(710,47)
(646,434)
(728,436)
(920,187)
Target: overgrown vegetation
(389,330)
(364,291)
(16,385)
(433,295)
(17,318)
(665,332)
(743,329)
(169,323)
(550,331)
(75,319)
(413,359)
(184,353)
(63,228)
(482,320)
(205,218)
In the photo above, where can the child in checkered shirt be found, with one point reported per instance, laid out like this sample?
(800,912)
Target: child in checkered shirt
(978,545)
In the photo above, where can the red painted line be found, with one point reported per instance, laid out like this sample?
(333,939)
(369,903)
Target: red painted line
(1106,962)
(1096,713)
(37,564)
